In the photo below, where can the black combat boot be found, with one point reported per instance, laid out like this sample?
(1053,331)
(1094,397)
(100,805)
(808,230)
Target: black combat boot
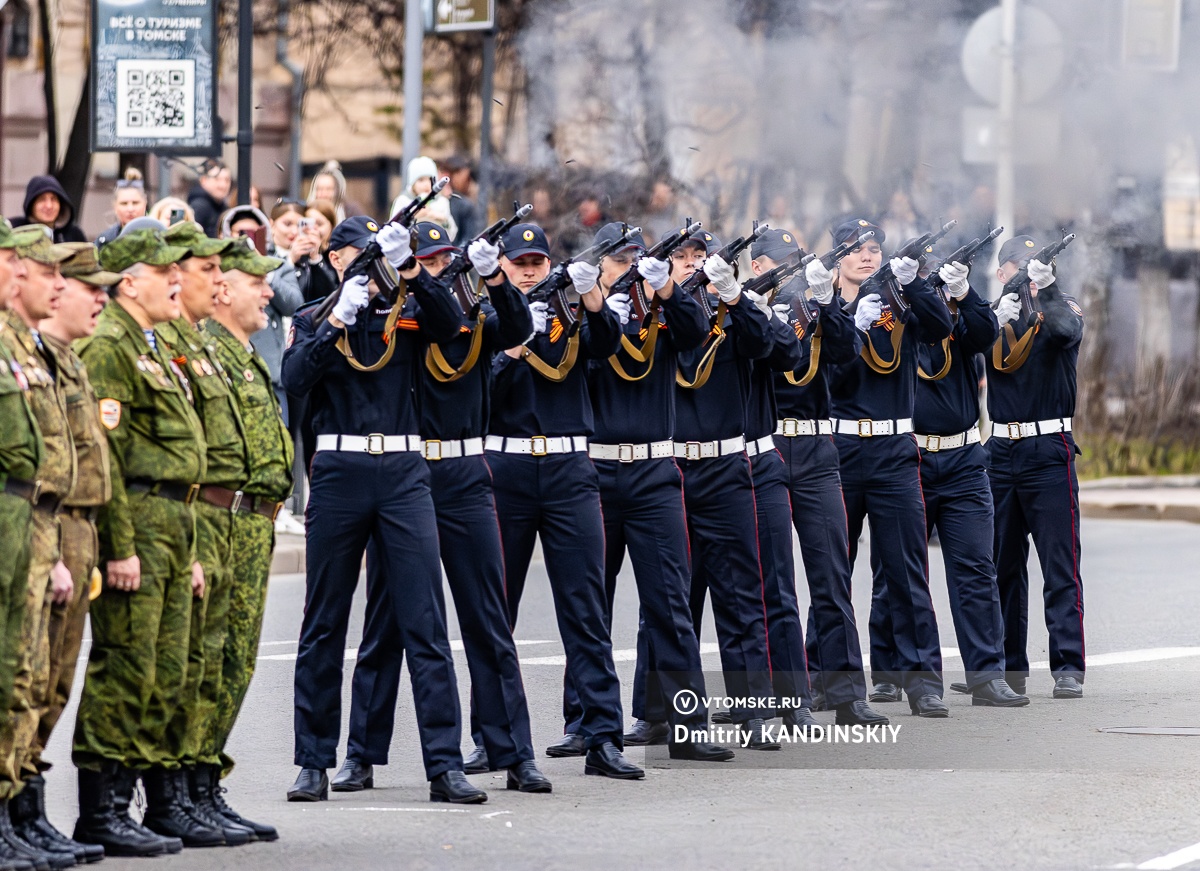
(36,828)
(200,787)
(262,831)
(100,822)
(43,860)
(123,788)
(169,810)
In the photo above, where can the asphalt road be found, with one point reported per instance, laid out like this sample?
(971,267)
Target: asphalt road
(1037,788)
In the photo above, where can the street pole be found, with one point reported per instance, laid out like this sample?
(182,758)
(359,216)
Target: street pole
(414,69)
(485,128)
(245,134)
(1005,173)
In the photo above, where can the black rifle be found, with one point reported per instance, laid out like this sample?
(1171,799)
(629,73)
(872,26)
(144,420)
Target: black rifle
(770,281)
(455,275)
(697,283)
(553,288)
(883,281)
(801,314)
(1019,283)
(628,282)
(965,255)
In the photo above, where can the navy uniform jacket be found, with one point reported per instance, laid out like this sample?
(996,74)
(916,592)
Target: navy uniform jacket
(840,344)
(858,392)
(718,410)
(1044,388)
(950,405)
(460,409)
(640,412)
(346,401)
(526,404)
(786,353)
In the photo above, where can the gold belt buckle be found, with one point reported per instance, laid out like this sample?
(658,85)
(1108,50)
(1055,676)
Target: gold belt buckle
(866,428)
(433,449)
(237,502)
(933,443)
(537,446)
(791,427)
(624,453)
(1014,431)
(691,451)
(375,443)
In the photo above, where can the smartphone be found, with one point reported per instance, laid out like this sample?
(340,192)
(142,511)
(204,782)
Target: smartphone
(177,215)
(306,224)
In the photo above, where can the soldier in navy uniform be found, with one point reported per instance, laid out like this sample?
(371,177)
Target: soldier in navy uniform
(1031,466)
(370,479)
(871,405)
(546,486)
(455,379)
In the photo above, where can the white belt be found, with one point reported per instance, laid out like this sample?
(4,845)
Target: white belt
(761,446)
(867,428)
(946,443)
(538,446)
(375,443)
(790,427)
(1025,430)
(436,449)
(708,450)
(629,453)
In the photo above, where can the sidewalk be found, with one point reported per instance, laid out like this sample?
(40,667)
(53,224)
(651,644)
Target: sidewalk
(1169,497)
(289,555)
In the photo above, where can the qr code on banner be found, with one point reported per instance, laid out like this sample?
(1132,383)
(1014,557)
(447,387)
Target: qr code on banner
(156,99)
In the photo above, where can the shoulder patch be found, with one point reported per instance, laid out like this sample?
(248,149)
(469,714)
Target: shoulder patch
(1074,306)
(110,413)
(291,336)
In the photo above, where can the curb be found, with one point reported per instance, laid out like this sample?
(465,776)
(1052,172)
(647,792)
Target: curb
(288,558)
(1139,510)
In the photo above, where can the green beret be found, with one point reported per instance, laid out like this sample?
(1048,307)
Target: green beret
(10,238)
(41,250)
(140,246)
(190,235)
(242,257)
(84,265)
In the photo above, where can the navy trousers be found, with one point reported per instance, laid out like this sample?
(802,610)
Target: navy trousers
(1036,493)
(557,497)
(881,480)
(469,541)
(354,498)
(819,516)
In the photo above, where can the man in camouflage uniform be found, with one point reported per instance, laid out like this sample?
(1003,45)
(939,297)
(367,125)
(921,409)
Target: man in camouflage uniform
(21,452)
(75,318)
(36,297)
(240,312)
(191,354)
(137,669)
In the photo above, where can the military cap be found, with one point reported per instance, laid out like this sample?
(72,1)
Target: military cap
(612,232)
(40,249)
(705,239)
(144,223)
(779,245)
(523,239)
(849,230)
(139,246)
(432,239)
(356,232)
(1018,249)
(84,265)
(190,235)
(242,256)
(10,238)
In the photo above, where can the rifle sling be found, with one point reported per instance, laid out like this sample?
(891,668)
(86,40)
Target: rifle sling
(705,366)
(878,364)
(644,354)
(945,370)
(814,360)
(554,373)
(343,342)
(439,367)
(1019,349)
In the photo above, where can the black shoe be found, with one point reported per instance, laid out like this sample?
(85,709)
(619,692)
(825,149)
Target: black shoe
(354,776)
(644,733)
(929,706)
(36,828)
(759,739)
(818,701)
(700,751)
(262,831)
(202,781)
(125,782)
(525,777)
(801,717)
(960,687)
(1016,682)
(886,692)
(312,784)
(477,762)
(606,760)
(570,745)
(43,860)
(1067,687)
(997,694)
(454,787)
(721,717)
(169,810)
(11,861)
(859,713)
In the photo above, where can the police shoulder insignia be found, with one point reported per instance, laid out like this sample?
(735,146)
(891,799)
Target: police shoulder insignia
(110,413)
(1074,306)
(291,338)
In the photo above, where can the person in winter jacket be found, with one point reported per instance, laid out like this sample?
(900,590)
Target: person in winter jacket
(422,173)
(47,203)
(208,196)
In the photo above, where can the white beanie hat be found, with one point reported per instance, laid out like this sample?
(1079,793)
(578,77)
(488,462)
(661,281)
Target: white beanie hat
(421,167)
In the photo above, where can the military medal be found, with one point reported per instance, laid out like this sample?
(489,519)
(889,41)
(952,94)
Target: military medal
(198,368)
(248,375)
(22,381)
(207,367)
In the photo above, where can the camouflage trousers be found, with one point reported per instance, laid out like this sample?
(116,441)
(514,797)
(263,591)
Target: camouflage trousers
(80,552)
(15,515)
(253,544)
(137,668)
(206,640)
(33,661)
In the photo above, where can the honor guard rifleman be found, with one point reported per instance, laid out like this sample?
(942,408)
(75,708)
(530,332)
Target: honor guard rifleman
(455,384)
(369,479)
(137,667)
(1031,462)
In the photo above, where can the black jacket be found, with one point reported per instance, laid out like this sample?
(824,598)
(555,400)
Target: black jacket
(65,229)
(208,210)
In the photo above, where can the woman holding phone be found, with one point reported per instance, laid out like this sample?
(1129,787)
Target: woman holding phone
(129,202)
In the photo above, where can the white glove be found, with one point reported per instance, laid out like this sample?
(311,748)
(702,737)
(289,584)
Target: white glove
(583,276)
(353,299)
(720,275)
(395,243)
(783,311)
(1040,273)
(820,282)
(620,305)
(484,256)
(656,272)
(1008,309)
(955,275)
(869,310)
(905,269)
(760,302)
(540,312)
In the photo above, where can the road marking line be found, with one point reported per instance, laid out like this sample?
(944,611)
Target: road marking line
(1172,860)
(403,810)
(494,814)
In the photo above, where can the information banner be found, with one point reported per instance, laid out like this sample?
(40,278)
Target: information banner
(454,16)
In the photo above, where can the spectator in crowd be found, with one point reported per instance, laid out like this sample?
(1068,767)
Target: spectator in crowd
(169,208)
(422,173)
(464,208)
(208,196)
(298,241)
(256,197)
(323,280)
(129,202)
(330,184)
(579,229)
(46,203)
